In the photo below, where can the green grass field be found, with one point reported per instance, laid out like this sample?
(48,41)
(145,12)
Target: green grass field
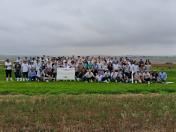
(55,88)
(85,107)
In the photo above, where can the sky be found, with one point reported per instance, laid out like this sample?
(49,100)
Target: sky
(88,27)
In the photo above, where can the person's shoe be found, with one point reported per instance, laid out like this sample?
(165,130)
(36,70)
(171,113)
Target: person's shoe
(7,79)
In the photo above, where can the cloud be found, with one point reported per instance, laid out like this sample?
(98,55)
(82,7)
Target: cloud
(112,27)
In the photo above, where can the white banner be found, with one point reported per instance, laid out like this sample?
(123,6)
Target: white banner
(65,74)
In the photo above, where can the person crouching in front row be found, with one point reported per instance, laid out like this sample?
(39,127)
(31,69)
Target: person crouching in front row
(47,74)
(32,75)
(89,76)
(162,77)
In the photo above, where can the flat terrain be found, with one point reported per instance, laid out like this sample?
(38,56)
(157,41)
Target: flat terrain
(76,88)
(79,106)
(85,113)
(67,87)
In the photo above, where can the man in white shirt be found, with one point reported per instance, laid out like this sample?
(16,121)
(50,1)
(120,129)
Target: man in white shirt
(89,76)
(114,76)
(38,65)
(25,70)
(134,68)
(65,64)
(147,76)
(8,70)
(115,66)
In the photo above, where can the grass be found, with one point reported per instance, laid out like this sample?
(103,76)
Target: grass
(55,88)
(88,113)
(79,106)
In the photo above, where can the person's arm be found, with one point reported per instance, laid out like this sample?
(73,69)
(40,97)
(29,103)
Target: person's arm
(85,75)
(111,74)
(21,67)
(92,74)
(43,74)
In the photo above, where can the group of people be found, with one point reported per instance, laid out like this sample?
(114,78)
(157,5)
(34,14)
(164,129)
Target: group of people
(87,68)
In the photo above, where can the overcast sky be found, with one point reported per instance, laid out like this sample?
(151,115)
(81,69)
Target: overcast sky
(88,27)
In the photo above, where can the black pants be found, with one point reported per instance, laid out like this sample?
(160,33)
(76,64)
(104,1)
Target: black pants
(32,78)
(147,79)
(18,74)
(25,74)
(8,73)
(54,75)
(88,79)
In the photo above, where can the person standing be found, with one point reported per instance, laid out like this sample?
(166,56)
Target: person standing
(25,70)
(17,71)
(54,70)
(8,70)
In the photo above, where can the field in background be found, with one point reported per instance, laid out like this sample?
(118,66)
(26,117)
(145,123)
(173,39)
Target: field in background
(80,106)
(85,113)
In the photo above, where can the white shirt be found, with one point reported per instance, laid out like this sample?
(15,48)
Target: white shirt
(99,65)
(8,65)
(99,77)
(114,74)
(89,75)
(115,66)
(107,74)
(148,67)
(49,65)
(38,66)
(25,67)
(146,75)
(134,68)
(38,73)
